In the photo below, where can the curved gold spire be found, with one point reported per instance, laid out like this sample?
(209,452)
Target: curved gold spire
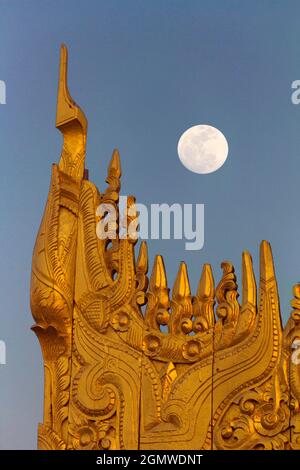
(72,123)
(67,110)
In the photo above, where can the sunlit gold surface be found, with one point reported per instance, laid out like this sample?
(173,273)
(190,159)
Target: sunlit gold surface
(221,377)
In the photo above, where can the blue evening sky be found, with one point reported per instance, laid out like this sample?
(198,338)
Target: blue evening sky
(145,71)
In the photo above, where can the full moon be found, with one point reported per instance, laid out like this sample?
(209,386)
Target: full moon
(202,149)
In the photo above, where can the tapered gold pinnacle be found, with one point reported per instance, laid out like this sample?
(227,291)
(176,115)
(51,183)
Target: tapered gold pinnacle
(158,277)
(206,288)
(114,167)
(181,287)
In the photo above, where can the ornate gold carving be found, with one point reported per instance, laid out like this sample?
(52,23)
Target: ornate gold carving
(185,375)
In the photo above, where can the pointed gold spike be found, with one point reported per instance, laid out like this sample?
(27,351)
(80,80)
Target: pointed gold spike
(142,261)
(67,110)
(181,287)
(113,177)
(248,280)
(141,278)
(182,310)
(206,286)
(114,167)
(267,271)
(158,279)
(203,302)
(158,296)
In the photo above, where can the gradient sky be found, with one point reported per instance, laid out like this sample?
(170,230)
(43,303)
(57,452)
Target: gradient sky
(145,71)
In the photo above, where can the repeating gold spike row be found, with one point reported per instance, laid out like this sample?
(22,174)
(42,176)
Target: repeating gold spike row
(181,305)
(228,307)
(71,121)
(203,301)
(157,311)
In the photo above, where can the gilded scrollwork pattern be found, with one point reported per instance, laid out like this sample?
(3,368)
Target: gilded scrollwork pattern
(131,364)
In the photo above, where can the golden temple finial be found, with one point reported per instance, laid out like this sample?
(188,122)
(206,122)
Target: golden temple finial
(72,123)
(118,379)
(67,110)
